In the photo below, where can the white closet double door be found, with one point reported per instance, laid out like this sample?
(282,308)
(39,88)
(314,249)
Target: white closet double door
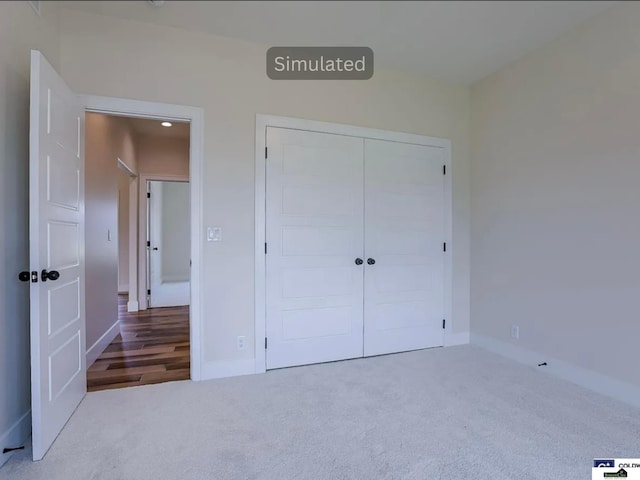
(355,231)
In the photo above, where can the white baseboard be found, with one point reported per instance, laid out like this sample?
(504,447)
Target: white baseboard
(597,382)
(452,339)
(16,436)
(133,306)
(103,342)
(123,288)
(211,370)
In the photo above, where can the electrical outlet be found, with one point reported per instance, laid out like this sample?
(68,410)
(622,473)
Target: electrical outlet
(241,342)
(515,332)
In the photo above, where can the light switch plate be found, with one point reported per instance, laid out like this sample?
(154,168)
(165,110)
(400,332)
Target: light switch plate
(214,234)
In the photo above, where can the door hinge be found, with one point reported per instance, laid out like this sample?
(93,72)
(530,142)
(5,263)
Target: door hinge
(265,248)
(265,152)
(148,194)
(149,292)
(444,322)
(265,343)
(444,247)
(444,169)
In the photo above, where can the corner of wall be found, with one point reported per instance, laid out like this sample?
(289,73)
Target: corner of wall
(460,338)
(16,436)
(602,384)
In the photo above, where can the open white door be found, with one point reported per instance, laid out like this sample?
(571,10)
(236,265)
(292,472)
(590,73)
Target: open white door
(56,211)
(169,244)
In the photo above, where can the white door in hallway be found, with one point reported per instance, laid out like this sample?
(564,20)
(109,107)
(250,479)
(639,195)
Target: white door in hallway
(169,244)
(56,224)
(314,214)
(404,233)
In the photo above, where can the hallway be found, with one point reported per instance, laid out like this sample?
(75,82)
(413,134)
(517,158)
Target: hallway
(152,347)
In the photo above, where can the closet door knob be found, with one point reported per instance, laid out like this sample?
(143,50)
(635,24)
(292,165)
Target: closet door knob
(359,261)
(371,261)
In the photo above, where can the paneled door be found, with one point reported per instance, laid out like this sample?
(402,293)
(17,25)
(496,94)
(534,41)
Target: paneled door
(404,233)
(314,262)
(355,247)
(56,223)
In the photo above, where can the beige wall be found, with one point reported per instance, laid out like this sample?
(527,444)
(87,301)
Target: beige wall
(555,198)
(106,139)
(227,79)
(123,231)
(163,156)
(20,30)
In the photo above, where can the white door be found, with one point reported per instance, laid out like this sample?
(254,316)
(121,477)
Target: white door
(169,244)
(404,233)
(56,223)
(314,236)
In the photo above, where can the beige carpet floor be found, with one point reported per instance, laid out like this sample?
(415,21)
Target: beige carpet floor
(446,413)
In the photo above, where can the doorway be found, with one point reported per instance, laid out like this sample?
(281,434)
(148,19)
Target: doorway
(168,260)
(133,339)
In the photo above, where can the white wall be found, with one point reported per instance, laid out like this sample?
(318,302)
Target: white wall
(226,77)
(555,197)
(20,30)
(106,139)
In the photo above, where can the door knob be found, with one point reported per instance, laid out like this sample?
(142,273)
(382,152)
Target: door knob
(371,261)
(52,275)
(155,248)
(358,262)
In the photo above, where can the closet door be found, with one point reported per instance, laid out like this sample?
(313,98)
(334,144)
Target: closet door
(314,235)
(404,235)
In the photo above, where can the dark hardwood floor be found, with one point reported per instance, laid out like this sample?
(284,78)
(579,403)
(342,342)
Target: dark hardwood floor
(152,347)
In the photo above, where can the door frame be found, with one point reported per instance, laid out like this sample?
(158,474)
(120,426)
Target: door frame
(195,116)
(262,122)
(132,240)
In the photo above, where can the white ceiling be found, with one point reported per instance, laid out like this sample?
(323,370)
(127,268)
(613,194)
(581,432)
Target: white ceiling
(143,126)
(456,41)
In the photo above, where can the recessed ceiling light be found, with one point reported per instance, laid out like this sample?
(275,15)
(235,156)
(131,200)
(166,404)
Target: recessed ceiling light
(166,124)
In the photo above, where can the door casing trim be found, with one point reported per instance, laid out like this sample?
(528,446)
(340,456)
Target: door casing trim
(195,116)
